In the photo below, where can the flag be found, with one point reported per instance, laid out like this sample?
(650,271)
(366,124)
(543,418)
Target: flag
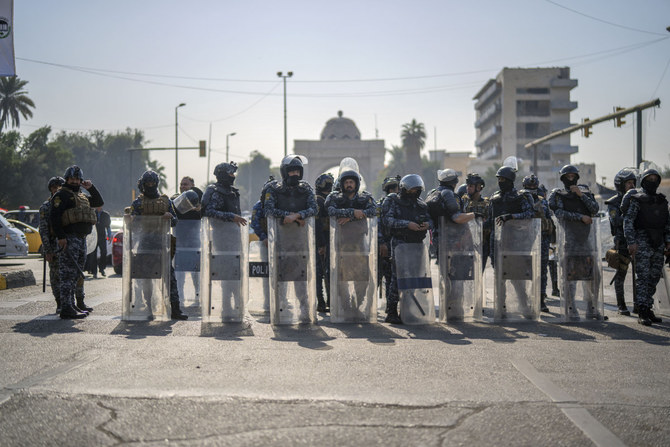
(7,66)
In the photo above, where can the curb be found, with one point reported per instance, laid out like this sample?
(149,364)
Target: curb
(20,278)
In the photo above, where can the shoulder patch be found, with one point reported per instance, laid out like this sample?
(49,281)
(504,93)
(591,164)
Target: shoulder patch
(57,202)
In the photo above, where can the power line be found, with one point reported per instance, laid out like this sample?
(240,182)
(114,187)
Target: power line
(604,21)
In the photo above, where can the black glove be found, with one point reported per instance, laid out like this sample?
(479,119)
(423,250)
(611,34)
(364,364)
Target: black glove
(505,217)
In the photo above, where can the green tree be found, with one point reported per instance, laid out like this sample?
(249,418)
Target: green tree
(397,165)
(14,101)
(413,137)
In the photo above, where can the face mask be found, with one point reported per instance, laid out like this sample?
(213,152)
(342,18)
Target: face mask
(151,192)
(292,180)
(226,180)
(505,186)
(649,186)
(74,188)
(568,183)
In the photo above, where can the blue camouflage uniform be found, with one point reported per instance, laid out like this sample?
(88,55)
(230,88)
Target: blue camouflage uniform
(258,222)
(616,227)
(646,223)
(74,229)
(397,213)
(49,247)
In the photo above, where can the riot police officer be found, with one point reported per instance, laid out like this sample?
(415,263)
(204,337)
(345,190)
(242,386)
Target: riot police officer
(347,205)
(49,239)
(443,201)
(323,186)
(646,227)
(292,201)
(389,186)
(72,217)
(152,203)
(407,218)
(575,207)
(540,211)
(222,200)
(624,181)
(508,204)
(475,202)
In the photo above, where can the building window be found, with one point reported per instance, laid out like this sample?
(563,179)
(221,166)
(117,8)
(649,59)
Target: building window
(532,91)
(533,108)
(532,130)
(543,152)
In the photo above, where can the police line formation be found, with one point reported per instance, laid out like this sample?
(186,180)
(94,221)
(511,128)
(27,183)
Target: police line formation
(196,246)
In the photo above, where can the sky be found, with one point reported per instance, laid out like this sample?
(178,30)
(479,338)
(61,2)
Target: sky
(109,66)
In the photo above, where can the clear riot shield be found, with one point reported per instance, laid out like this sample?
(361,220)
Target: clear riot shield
(662,295)
(187,261)
(415,285)
(259,278)
(461,283)
(292,272)
(580,270)
(517,270)
(146,268)
(223,271)
(353,271)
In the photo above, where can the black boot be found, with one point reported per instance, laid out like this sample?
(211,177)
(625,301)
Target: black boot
(621,304)
(81,305)
(321,305)
(635,308)
(543,305)
(643,316)
(68,312)
(58,306)
(652,316)
(392,314)
(554,289)
(177,313)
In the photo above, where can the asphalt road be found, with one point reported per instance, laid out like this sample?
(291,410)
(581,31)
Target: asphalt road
(101,381)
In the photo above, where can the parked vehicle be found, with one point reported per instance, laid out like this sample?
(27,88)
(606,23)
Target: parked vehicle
(31,217)
(117,252)
(32,235)
(12,240)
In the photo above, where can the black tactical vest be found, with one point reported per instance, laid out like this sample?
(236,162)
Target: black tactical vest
(292,199)
(414,211)
(507,206)
(359,202)
(572,202)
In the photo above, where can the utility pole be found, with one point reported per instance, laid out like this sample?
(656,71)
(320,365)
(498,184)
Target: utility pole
(284,76)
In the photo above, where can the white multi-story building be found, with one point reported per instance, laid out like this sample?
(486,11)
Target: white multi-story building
(519,106)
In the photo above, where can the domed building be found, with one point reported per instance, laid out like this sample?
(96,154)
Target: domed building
(341,138)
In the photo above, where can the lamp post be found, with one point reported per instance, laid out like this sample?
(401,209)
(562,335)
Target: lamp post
(176,147)
(229,135)
(284,76)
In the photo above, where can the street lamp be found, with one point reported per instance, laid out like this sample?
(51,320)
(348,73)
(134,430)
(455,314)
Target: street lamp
(229,135)
(176,147)
(284,76)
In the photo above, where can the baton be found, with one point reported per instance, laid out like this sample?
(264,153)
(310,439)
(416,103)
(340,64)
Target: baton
(44,271)
(632,261)
(417,304)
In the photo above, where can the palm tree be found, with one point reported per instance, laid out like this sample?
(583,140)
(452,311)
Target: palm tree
(14,101)
(413,140)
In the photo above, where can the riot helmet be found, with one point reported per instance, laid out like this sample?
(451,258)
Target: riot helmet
(506,176)
(647,184)
(410,182)
(291,163)
(324,182)
(73,171)
(225,173)
(186,201)
(148,184)
(447,177)
(474,179)
(622,177)
(531,182)
(569,169)
(390,182)
(350,174)
(55,182)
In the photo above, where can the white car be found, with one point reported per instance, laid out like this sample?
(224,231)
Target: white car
(12,240)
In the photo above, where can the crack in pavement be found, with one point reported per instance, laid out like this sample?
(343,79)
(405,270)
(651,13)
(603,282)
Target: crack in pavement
(113,416)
